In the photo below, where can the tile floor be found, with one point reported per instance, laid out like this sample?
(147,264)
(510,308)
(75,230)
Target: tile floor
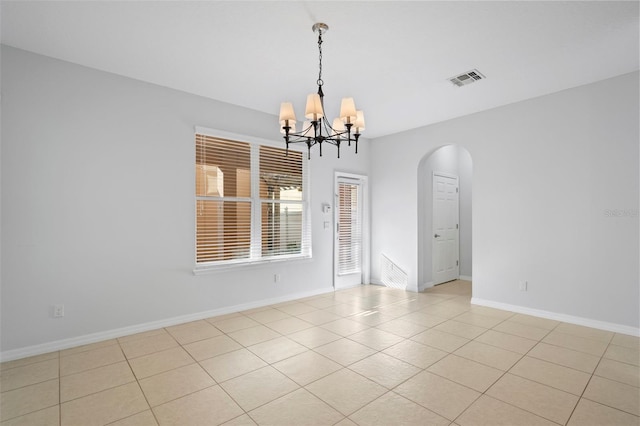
(364,356)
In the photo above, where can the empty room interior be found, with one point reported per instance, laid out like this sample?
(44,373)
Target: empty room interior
(322,213)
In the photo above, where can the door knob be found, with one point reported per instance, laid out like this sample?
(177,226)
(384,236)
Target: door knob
(436,235)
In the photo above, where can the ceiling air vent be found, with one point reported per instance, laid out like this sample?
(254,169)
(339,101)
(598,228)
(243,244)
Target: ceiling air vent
(467,78)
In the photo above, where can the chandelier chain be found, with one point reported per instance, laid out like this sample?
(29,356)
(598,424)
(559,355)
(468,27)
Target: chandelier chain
(320,82)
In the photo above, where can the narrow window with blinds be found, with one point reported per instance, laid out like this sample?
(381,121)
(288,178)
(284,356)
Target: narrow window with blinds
(251,202)
(349,228)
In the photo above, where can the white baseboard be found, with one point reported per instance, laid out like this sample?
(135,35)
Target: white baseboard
(139,328)
(424,286)
(465,277)
(601,325)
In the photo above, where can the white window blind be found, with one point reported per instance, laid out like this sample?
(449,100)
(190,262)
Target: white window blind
(251,202)
(349,228)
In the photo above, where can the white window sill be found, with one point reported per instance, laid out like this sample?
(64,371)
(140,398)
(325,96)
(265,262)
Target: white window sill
(210,268)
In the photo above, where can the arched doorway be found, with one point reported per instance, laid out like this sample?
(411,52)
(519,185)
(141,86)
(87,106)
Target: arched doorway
(448,165)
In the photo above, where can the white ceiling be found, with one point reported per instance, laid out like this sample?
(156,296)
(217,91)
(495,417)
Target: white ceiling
(393,57)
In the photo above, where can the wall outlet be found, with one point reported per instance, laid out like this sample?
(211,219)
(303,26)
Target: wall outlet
(276,278)
(523,285)
(58,311)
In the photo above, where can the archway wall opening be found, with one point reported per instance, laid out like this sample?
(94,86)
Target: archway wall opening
(452,160)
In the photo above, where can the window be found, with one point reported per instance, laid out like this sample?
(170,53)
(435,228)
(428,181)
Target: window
(251,202)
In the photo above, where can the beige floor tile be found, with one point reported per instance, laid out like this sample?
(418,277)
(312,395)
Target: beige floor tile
(385,369)
(321,302)
(372,319)
(623,354)
(542,400)
(148,345)
(87,360)
(445,310)
(104,407)
(277,349)
(491,312)
(345,422)
(589,413)
(438,394)
(522,330)
(440,340)
(258,387)
(614,394)
(175,384)
(314,337)
(415,353)
(31,398)
(29,374)
(47,417)
(289,325)
(626,341)
(345,309)
(478,319)
(319,317)
(253,335)
(345,351)
(256,309)
(299,407)
(307,367)
(29,360)
(209,348)
(193,331)
(586,332)
(296,308)
(554,375)
(346,391)
(159,362)
(243,420)
(545,323)
(376,339)
(89,347)
(580,344)
(344,327)
(466,372)
(487,411)
(492,356)
(424,319)
(393,409)
(619,371)
(144,418)
(507,341)
(565,357)
(95,380)
(232,364)
(235,323)
(268,315)
(402,328)
(223,317)
(142,335)
(468,331)
(210,406)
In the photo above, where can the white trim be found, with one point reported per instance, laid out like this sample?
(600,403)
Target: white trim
(601,325)
(214,133)
(58,345)
(465,277)
(424,286)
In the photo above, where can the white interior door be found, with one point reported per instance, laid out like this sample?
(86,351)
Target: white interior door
(445,228)
(349,214)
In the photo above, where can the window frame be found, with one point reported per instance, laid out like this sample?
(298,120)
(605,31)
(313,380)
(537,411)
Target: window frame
(255,256)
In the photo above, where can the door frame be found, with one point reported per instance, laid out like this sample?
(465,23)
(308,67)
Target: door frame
(363,180)
(433,221)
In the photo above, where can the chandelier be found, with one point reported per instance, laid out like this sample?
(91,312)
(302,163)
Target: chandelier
(316,129)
